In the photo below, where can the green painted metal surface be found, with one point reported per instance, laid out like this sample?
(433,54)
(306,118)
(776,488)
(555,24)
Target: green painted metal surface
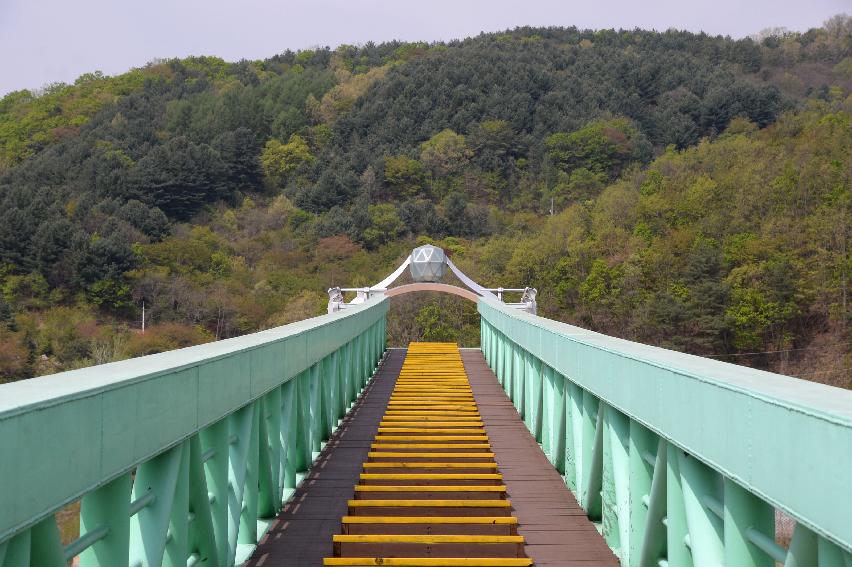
(178,457)
(683,459)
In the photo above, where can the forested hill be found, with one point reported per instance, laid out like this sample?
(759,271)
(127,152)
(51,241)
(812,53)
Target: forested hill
(675,188)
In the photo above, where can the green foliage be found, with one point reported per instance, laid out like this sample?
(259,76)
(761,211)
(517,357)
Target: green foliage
(385,225)
(22,291)
(405,176)
(602,147)
(30,121)
(444,153)
(167,336)
(431,323)
(280,160)
(14,363)
(179,177)
(111,294)
(150,187)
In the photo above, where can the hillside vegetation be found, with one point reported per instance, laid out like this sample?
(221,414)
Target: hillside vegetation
(673,188)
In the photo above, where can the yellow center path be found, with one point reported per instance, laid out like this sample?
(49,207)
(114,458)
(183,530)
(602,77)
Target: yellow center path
(430,494)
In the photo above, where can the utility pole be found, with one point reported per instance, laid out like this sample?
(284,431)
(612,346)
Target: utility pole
(143,317)
(551,206)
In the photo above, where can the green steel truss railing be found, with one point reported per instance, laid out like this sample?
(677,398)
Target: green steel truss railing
(178,458)
(682,459)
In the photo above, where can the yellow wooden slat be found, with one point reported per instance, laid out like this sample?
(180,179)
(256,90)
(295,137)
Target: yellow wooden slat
(463,412)
(435,424)
(461,437)
(428,403)
(426,539)
(429,503)
(415,465)
(439,430)
(444,398)
(431,392)
(430,446)
(431,476)
(428,488)
(430,455)
(431,413)
(502,520)
(426,562)
(434,418)
(431,401)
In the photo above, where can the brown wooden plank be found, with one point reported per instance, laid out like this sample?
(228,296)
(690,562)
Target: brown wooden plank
(301,536)
(556,529)
(555,526)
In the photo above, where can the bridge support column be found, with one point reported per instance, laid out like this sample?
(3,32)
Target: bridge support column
(249,502)
(616,481)
(107,507)
(269,499)
(518,367)
(558,420)
(677,532)
(155,489)
(289,436)
(46,546)
(704,516)
(349,373)
(743,512)
(647,549)
(574,461)
(642,443)
(303,424)
(214,442)
(241,470)
(15,552)
(533,395)
(315,420)
(496,361)
(593,434)
(804,548)
(201,537)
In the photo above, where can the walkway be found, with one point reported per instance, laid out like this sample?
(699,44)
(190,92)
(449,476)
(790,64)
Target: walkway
(556,528)
(448,477)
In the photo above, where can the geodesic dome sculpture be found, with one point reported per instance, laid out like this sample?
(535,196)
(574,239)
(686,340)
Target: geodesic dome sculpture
(428,264)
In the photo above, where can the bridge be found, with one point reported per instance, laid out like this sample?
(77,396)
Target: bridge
(314,443)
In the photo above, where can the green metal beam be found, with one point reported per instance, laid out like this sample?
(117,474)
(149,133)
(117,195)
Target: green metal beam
(732,431)
(211,435)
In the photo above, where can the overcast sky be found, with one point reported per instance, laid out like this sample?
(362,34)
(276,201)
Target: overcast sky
(43,41)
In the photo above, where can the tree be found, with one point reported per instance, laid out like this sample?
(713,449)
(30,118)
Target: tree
(179,177)
(385,225)
(445,153)
(13,357)
(404,175)
(150,221)
(52,243)
(238,150)
(430,319)
(601,291)
(280,160)
(421,217)
(601,147)
(493,142)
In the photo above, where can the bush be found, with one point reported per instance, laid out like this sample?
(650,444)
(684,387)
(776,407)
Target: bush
(166,336)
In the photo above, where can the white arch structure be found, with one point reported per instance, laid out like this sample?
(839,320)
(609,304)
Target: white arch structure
(427,265)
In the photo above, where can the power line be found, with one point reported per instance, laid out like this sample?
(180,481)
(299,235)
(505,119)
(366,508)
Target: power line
(845,369)
(766,352)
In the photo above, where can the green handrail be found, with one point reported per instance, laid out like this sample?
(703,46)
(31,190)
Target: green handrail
(181,457)
(684,460)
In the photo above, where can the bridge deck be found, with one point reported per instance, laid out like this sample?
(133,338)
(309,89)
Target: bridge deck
(556,528)
(541,523)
